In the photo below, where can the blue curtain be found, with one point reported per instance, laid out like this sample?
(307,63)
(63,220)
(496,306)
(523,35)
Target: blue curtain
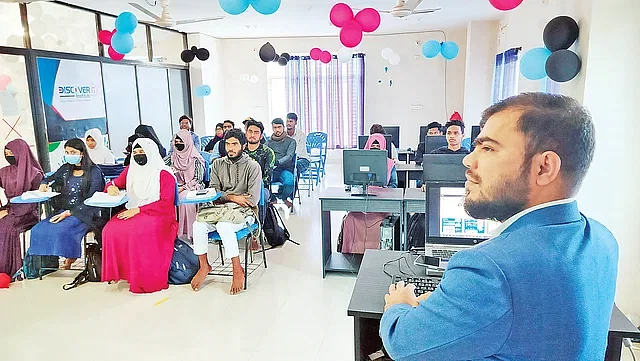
(505,75)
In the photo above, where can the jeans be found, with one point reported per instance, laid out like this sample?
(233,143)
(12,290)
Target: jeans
(303,165)
(286,178)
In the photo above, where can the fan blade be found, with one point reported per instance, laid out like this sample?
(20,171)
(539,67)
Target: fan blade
(413,4)
(426,11)
(191,21)
(380,11)
(145,11)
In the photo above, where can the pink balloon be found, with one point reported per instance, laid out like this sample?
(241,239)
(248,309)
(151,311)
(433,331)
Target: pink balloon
(351,35)
(4,81)
(115,55)
(368,19)
(505,5)
(105,37)
(315,53)
(326,57)
(341,14)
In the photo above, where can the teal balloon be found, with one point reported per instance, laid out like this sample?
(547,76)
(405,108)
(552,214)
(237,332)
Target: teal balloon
(202,91)
(126,22)
(449,50)
(122,42)
(234,7)
(266,7)
(533,63)
(431,49)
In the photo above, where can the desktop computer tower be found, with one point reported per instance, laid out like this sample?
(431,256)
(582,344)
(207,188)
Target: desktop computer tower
(390,233)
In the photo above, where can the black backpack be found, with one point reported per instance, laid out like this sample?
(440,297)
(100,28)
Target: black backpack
(93,269)
(184,264)
(415,232)
(273,227)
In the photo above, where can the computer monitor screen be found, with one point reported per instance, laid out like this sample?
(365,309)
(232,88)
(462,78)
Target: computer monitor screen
(364,167)
(475,131)
(434,142)
(362,141)
(394,132)
(448,219)
(447,168)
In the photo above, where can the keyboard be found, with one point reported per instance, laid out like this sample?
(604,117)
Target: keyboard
(423,284)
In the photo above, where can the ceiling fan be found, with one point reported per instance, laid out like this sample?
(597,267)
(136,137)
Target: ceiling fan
(165,19)
(405,8)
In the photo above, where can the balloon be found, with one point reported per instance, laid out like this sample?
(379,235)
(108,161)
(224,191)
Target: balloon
(431,49)
(345,55)
(104,36)
(368,19)
(254,79)
(560,33)
(283,61)
(114,54)
(12,90)
(5,280)
(203,54)
(505,5)
(315,53)
(387,53)
(341,14)
(286,56)
(563,65)
(449,50)
(326,57)
(351,35)
(268,53)
(187,56)
(4,81)
(532,64)
(122,42)
(395,59)
(234,7)
(202,91)
(266,7)
(126,22)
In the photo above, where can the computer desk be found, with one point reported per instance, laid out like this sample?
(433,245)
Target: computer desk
(404,155)
(367,305)
(387,200)
(408,172)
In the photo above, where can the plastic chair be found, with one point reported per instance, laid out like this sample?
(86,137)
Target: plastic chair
(466,143)
(111,172)
(208,159)
(204,140)
(317,149)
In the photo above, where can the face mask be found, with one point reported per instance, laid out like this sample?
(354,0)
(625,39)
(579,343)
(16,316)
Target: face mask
(141,159)
(73,159)
(11,159)
(180,147)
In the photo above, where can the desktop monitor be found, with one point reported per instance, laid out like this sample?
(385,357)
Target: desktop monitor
(475,131)
(434,142)
(394,132)
(362,141)
(443,168)
(364,167)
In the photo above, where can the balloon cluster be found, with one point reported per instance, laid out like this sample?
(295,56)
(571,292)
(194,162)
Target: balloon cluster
(237,7)
(268,54)
(554,60)
(432,48)
(190,54)
(120,38)
(505,5)
(351,27)
(322,55)
(388,54)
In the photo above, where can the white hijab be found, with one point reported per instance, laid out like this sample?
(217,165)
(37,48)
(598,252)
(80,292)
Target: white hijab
(100,154)
(143,182)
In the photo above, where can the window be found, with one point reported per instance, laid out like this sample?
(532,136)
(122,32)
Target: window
(11,33)
(277,94)
(167,46)
(505,75)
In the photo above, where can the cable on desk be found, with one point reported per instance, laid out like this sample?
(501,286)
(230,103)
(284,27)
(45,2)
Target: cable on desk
(399,260)
(627,343)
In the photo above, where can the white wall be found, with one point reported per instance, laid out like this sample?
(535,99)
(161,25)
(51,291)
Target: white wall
(610,192)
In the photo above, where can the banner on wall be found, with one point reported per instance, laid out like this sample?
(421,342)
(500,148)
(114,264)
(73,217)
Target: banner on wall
(73,97)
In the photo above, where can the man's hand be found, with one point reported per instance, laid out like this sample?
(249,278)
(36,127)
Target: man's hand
(3,213)
(242,200)
(399,294)
(129,213)
(423,297)
(60,217)
(43,187)
(113,191)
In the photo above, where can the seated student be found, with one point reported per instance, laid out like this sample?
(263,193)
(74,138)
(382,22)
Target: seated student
(284,148)
(188,167)
(138,242)
(360,230)
(379,129)
(260,152)
(454,133)
(99,154)
(543,288)
(22,174)
(239,179)
(303,160)
(218,137)
(144,131)
(76,180)
(434,129)
(245,122)
(187,124)
(219,150)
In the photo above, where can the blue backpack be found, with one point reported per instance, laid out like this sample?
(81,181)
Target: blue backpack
(184,264)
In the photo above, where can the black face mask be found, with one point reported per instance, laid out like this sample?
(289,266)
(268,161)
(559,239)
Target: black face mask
(11,159)
(141,159)
(180,147)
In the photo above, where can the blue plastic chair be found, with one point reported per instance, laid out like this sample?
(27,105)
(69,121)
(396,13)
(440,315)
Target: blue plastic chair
(111,172)
(317,141)
(208,159)
(204,141)
(466,143)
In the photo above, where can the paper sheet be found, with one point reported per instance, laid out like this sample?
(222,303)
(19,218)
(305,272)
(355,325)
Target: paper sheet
(37,194)
(105,198)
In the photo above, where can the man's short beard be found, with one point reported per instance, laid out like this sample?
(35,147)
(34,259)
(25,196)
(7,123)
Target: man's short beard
(233,159)
(256,142)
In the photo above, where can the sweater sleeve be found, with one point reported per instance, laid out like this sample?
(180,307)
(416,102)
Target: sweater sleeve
(254,175)
(288,155)
(469,315)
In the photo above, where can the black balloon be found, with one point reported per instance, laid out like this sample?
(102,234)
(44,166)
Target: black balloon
(560,33)
(283,61)
(275,60)
(187,56)
(194,48)
(286,56)
(268,53)
(203,54)
(563,65)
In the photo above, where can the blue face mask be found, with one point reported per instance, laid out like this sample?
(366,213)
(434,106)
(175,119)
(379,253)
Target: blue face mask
(73,159)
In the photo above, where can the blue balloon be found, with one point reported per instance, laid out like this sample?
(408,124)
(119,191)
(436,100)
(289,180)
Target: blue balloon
(122,42)
(126,22)
(266,7)
(234,7)
(449,50)
(202,91)
(431,49)
(533,63)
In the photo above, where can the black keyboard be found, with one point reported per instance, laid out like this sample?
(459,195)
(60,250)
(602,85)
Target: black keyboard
(423,284)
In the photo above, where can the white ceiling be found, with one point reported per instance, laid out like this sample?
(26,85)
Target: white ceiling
(302,17)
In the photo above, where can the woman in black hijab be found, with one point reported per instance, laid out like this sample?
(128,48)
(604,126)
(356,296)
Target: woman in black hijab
(144,131)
